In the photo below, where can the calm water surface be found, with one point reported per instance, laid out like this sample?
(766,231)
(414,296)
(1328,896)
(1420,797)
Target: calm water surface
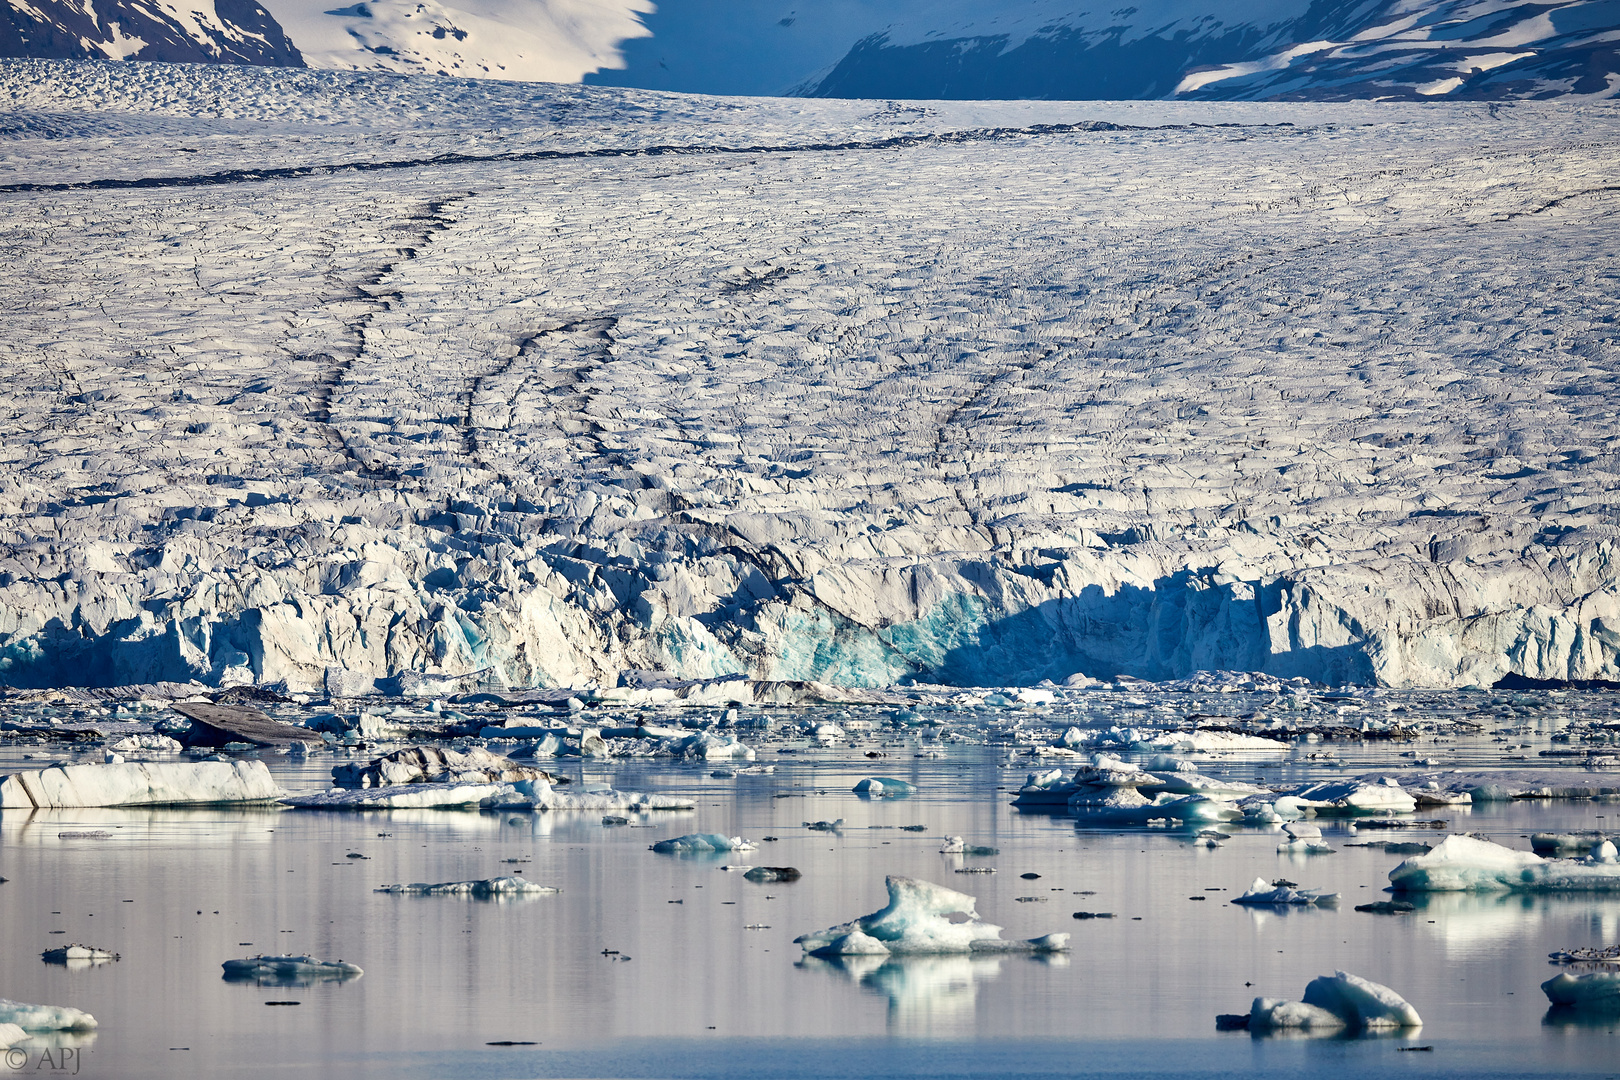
(703,978)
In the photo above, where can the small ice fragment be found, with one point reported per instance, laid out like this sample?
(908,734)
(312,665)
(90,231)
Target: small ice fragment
(499,886)
(1262,893)
(773,873)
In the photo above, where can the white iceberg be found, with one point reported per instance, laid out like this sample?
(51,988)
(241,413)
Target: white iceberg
(1467,864)
(11,1035)
(921,917)
(703,746)
(153,743)
(45,1017)
(1186,809)
(433,764)
(78,956)
(1340,1000)
(701,843)
(1355,797)
(1594,990)
(140,784)
(1264,892)
(499,886)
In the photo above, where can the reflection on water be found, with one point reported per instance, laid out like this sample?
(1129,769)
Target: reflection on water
(927,995)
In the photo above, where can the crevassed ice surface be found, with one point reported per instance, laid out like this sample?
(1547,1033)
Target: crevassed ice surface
(850,391)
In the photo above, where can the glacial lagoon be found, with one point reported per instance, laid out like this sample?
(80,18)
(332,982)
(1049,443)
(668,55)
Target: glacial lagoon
(649,965)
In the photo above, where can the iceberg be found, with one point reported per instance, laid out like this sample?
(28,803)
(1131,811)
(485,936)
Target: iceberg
(499,886)
(147,744)
(1593,990)
(761,874)
(702,843)
(1186,809)
(1466,864)
(140,784)
(433,764)
(78,956)
(1353,797)
(921,917)
(703,746)
(1331,1002)
(11,1035)
(289,970)
(45,1017)
(1264,892)
(884,787)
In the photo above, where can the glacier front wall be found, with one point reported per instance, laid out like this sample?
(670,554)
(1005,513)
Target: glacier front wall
(463,596)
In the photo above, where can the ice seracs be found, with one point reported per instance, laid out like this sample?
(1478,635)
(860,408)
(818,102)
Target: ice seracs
(921,918)
(140,784)
(1467,864)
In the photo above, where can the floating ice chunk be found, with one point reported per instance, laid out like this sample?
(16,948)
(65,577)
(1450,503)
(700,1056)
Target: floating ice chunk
(1187,809)
(1192,783)
(955,845)
(1361,1003)
(1264,892)
(702,746)
(11,1035)
(698,843)
(154,743)
(824,826)
(1161,763)
(289,969)
(922,917)
(498,886)
(1268,1014)
(541,795)
(1545,844)
(1467,864)
(1305,846)
(522,795)
(45,1017)
(1352,797)
(828,733)
(1116,798)
(433,764)
(140,784)
(884,787)
(1595,990)
(1033,696)
(77,955)
(1300,831)
(773,873)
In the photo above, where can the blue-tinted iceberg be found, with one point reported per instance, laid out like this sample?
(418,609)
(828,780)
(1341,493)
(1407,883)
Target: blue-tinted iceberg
(45,1017)
(1597,990)
(702,843)
(286,970)
(921,918)
(1340,1000)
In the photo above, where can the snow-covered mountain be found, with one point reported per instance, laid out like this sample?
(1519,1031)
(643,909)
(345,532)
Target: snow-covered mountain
(918,49)
(1328,49)
(228,32)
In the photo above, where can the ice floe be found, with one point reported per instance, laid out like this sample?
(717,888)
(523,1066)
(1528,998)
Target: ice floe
(1332,1002)
(702,843)
(1468,864)
(1597,990)
(521,795)
(285,970)
(1274,892)
(497,886)
(434,764)
(921,917)
(78,956)
(140,784)
(884,787)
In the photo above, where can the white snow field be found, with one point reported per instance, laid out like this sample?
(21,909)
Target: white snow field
(409,383)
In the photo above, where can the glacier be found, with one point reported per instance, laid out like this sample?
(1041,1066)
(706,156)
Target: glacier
(1117,390)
